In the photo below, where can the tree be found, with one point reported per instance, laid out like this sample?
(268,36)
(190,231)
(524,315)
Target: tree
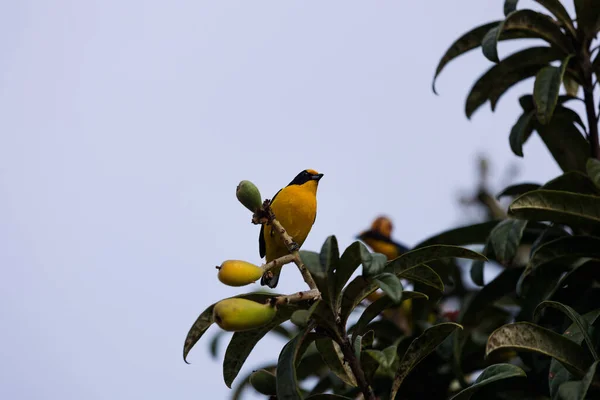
(531,332)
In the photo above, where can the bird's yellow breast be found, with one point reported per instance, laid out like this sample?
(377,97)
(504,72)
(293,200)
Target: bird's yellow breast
(379,246)
(296,208)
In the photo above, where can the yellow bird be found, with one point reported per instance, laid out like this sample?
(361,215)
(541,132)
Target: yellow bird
(295,207)
(379,238)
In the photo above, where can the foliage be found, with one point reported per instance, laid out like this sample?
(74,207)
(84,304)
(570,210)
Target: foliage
(533,331)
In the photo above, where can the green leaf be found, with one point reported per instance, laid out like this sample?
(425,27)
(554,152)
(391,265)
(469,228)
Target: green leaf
(534,23)
(593,170)
(423,274)
(493,373)
(564,141)
(574,316)
(499,78)
(353,294)
(374,264)
(242,343)
(557,371)
(520,132)
(505,239)
(426,254)
(567,246)
(528,337)
(287,383)
(318,270)
(519,189)
(588,17)
(578,390)
(375,308)
(464,235)
(334,358)
(478,266)
(465,43)
(556,206)
(420,348)
(214,343)
(327,397)
(554,6)
(390,284)
(330,259)
(353,256)
(546,88)
(573,181)
(205,320)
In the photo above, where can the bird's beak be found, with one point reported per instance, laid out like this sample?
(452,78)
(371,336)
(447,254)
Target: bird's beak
(317,177)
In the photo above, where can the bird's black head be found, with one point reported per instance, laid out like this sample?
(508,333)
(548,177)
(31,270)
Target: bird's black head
(306,176)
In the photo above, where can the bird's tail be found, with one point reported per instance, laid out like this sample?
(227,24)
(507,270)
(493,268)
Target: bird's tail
(270,279)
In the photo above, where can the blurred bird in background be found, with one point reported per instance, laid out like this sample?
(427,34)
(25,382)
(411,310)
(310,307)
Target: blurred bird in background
(379,238)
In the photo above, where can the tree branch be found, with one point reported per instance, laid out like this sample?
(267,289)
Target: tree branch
(312,294)
(278,262)
(356,368)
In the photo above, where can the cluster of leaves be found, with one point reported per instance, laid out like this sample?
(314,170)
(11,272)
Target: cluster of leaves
(533,331)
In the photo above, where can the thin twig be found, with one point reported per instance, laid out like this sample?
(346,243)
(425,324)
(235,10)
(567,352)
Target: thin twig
(312,294)
(278,262)
(357,370)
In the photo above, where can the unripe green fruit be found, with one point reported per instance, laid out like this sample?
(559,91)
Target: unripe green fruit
(236,315)
(264,382)
(239,273)
(249,195)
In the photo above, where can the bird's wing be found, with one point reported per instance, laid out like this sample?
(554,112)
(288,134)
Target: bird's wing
(262,246)
(401,248)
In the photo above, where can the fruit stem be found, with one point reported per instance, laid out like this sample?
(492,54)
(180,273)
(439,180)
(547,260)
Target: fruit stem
(278,262)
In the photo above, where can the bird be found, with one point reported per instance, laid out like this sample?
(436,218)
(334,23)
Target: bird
(295,207)
(379,238)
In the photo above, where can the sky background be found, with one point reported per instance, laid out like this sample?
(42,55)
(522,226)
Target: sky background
(126,126)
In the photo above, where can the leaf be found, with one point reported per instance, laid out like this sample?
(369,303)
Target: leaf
(567,246)
(327,397)
(466,42)
(554,6)
(374,309)
(390,284)
(525,336)
(573,181)
(426,254)
(334,358)
(546,88)
(574,316)
(556,206)
(519,189)
(493,373)
(242,344)
(287,383)
(419,349)
(330,258)
(500,77)
(318,270)
(353,294)
(214,343)
(558,373)
(593,170)
(205,320)
(505,239)
(578,390)
(588,17)
(374,264)
(464,235)
(564,141)
(478,266)
(520,132)
(353,256)
(423,274)
(534,23)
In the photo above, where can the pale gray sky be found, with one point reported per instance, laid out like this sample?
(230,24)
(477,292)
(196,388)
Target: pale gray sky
(126,126)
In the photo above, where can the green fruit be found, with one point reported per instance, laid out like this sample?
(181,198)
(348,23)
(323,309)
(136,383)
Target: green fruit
(239,273)
(264,382)
(236,315)
(249,195)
